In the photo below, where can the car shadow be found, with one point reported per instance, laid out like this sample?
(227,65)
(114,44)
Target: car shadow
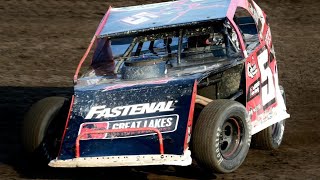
(15,102)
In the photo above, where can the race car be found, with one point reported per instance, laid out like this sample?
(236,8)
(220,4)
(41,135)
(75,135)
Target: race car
(167,82)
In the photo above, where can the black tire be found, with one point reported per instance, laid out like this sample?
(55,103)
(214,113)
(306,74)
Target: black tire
(271,137)
(43,127)
(221,136)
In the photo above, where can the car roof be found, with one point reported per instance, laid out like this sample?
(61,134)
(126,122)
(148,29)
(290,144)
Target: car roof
(133,19)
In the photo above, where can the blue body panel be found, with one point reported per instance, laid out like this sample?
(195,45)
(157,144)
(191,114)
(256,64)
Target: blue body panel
(167,14)
(178,90)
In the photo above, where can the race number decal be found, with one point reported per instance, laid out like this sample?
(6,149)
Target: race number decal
(139,18)
(268,95)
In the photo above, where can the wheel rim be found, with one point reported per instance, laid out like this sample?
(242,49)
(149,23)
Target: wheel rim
(230,138)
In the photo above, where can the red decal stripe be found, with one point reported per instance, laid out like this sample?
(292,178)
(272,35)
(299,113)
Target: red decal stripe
(67,122)
(191,113)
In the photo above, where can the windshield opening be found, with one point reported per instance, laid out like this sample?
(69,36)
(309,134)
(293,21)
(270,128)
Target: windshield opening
(193,45)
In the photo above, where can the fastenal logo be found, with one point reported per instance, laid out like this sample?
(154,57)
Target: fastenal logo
(98,112)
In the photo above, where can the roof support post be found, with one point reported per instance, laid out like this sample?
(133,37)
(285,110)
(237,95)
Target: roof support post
(180,46)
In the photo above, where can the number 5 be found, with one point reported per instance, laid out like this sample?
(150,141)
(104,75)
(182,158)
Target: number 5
(267,86)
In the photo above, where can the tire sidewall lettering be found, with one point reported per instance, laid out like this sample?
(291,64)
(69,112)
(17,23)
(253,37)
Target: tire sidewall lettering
(218,155)
(244,145)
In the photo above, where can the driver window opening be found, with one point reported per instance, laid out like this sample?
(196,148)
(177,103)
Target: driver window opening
(210,43)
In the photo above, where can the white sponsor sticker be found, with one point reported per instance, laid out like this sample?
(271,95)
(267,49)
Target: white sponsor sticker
(252,70)
(165,124)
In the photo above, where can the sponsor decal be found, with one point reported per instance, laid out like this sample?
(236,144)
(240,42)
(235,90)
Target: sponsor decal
(252,70)
(267,115)
(254,110)
(164,124)
(98,112)
(257,15)
(254,90)
(87,127)
(268,38)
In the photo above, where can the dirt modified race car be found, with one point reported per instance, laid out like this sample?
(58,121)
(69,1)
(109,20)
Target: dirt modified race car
(167,81)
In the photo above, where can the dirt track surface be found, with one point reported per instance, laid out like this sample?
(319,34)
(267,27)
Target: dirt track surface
(42,42)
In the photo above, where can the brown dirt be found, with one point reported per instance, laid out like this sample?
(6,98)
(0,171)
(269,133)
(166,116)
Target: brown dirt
(42,42)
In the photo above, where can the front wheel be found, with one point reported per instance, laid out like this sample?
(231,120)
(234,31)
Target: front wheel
(43,127)
(221,136)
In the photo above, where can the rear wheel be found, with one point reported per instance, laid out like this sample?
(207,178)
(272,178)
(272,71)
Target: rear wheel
(43,127)
(221,136)
(271,137)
